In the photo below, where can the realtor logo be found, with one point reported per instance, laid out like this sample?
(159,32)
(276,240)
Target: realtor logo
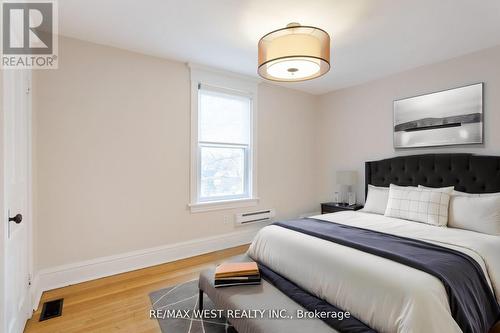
(29,34)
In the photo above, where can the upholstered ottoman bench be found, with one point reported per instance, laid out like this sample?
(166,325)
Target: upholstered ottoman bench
(258,297)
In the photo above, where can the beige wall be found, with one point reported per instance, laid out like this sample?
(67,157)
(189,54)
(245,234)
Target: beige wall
(112,155)
(111,144)
(355,124)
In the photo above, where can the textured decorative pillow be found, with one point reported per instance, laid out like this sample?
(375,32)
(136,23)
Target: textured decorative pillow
(376,200)
(473,211)
(419,205)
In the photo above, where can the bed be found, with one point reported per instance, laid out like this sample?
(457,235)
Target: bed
(383,293)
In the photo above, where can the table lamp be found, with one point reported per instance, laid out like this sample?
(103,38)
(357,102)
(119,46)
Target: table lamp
(346,179)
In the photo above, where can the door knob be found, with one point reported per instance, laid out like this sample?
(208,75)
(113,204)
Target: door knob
(17,219)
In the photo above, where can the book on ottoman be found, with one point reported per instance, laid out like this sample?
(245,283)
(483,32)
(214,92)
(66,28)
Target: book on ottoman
(236,273)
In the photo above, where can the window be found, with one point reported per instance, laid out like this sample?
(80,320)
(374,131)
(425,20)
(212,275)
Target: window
(224,144)
(223,165)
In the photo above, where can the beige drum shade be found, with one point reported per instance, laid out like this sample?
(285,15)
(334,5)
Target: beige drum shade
(294,53)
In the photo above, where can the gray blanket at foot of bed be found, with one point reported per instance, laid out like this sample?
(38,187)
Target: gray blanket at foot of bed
(472,302)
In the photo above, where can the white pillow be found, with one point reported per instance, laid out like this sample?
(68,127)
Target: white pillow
(451,189)
(376,200)
(448,189)
(419,205)
(476,213)
(465,194)
(473,211)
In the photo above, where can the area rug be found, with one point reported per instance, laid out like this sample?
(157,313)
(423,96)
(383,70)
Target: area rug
(175,311)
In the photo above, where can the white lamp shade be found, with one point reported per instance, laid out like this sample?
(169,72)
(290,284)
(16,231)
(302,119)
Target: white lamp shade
(294,53)
(347,177)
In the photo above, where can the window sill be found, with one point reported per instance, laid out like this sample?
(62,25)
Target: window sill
(218,205)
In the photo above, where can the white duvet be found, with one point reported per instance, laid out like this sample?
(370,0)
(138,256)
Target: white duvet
(385,295)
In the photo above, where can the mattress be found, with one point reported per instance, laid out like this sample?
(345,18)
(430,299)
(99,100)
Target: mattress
(385,295)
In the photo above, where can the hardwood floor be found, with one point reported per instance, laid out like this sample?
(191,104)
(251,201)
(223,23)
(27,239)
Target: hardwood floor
(120,303)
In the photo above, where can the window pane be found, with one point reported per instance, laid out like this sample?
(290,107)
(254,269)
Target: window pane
(224,117)
(222,172)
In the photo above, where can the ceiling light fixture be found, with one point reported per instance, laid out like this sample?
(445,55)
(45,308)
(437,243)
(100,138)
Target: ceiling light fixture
(294,53)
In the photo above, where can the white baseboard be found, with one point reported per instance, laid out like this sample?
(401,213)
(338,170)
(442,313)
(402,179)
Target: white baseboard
(61,276)
(35,292)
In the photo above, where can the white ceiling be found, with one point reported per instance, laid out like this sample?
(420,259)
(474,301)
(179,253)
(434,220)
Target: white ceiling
(370,38)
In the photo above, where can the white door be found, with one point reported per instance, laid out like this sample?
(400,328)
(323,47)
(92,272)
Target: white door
(17,113)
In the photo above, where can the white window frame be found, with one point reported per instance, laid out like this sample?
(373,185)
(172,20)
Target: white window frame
(231,83)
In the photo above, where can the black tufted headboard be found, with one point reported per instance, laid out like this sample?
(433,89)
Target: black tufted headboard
(467,172)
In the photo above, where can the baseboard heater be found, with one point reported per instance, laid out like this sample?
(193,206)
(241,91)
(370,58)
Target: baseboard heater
(254,217)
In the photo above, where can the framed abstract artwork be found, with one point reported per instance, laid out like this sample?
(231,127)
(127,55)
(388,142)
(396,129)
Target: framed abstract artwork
(450,117)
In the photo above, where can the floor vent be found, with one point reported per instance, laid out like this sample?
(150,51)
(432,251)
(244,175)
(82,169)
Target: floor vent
(52,309)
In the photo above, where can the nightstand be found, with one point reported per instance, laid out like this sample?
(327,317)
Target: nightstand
(332,207)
